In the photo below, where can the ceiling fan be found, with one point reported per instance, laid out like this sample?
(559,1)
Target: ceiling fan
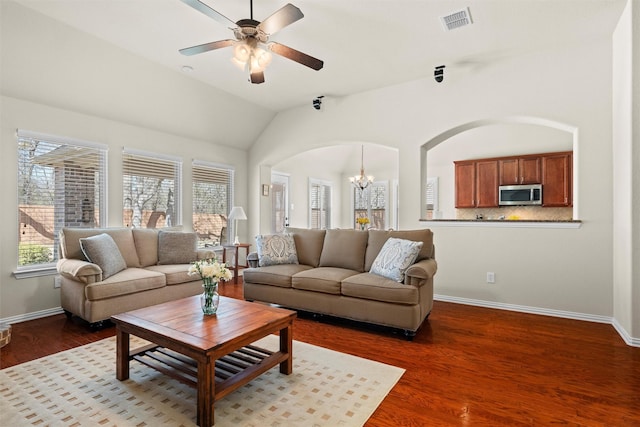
(252,48)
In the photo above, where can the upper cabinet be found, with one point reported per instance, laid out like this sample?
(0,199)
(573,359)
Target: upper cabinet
(477,181)
(476,184)
(557,179)
(520,170)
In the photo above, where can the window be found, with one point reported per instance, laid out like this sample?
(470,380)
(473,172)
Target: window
(151,190)
(431,197)
(61,183)
(212,201)
(319,204)
(371,203)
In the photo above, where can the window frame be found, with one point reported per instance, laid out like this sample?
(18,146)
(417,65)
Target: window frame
(60,204)
(142,156)
(230,196)
(369,210)
(326,185)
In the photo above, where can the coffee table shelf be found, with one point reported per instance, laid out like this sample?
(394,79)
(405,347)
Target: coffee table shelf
(230,369)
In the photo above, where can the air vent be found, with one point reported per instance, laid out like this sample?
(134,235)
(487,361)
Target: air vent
(456,19)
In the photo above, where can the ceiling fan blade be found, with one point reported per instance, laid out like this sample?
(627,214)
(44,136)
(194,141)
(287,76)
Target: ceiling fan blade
(257,77)
(201,7)
(296,55)
(201,48)
(284,16)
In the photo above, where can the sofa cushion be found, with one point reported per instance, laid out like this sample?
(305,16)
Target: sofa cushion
(274,249)
(322,279)
(309,244)
(377,239)
(344,249)
(70,242)
(373,287)
(395,257)
(275,275)
(103,251)
(129,281)
(175,273)
(176,247)
(146,240)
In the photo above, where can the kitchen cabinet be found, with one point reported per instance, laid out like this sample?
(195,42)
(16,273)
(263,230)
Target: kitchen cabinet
(476,184)
(519,170)
(477,181)
(465,184)
(557,179)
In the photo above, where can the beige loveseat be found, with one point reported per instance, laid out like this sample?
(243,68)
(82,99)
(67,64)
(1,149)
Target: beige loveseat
(154,271)
(333,277)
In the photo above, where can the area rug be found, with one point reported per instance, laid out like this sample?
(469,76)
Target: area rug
(78,387)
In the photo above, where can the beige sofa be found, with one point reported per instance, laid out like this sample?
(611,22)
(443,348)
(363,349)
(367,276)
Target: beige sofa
(154,271)
(333,277)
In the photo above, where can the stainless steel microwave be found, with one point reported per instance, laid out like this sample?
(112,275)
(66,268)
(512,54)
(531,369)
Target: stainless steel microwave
(518,195)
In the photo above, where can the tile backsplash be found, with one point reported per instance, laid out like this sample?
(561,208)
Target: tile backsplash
(518,212)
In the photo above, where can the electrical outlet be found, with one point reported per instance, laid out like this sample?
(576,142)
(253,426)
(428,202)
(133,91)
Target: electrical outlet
(56,282)
(491,277)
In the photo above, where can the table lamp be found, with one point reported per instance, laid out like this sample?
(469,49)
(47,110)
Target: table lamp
(237,213)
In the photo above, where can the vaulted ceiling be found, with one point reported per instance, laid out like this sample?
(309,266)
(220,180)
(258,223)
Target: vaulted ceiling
(365,44)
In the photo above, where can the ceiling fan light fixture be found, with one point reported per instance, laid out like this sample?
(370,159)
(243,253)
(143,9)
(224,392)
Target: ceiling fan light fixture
(242,52)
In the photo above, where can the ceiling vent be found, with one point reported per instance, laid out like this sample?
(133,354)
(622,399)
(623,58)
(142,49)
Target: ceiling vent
(456,19)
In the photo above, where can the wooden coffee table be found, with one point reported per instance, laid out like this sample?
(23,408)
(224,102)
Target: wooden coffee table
(213,353)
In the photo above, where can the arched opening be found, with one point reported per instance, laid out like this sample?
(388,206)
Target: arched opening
(490,138)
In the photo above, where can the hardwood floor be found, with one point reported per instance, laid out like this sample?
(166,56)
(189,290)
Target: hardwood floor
(467,366)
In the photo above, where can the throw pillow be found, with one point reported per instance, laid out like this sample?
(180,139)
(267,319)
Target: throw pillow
(395,257)
(274,249)
(102,250)
(176,247)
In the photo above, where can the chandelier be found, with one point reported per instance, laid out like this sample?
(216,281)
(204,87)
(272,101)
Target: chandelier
(362,181)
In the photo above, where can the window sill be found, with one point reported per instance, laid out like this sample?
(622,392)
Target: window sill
(35,272)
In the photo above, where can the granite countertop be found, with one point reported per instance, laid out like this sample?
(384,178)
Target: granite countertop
(501,220)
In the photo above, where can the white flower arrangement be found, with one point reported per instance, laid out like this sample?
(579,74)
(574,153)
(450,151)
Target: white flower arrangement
(210,269)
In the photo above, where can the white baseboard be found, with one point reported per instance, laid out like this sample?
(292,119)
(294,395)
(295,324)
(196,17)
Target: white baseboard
(31,316)
(634,342)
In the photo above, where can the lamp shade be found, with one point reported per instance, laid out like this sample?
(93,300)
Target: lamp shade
(237,213)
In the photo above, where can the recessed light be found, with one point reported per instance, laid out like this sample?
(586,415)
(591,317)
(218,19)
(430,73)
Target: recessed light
(187,68)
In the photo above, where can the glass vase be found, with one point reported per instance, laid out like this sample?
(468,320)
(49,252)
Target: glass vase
(209,299)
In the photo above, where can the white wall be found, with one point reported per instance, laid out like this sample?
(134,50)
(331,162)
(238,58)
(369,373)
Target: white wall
(58,81)
(556,269)
(626,177)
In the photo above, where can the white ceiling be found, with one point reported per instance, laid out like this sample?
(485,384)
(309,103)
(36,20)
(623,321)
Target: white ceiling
(365,44)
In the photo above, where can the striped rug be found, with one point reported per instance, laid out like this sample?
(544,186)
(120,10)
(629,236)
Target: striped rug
(78,388)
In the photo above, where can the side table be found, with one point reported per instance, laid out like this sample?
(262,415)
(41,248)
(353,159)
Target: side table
(236,266)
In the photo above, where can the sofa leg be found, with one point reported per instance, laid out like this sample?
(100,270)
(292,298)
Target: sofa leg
(96,326)
(409,334)
(68,314)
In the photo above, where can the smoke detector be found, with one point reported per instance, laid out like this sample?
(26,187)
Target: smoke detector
(456,19)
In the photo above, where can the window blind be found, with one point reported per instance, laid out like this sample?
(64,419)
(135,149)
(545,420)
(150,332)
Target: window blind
(320,204)
(212,187)
(151,190)
(61,183)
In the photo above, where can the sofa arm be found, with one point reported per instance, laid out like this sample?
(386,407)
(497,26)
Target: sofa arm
(421,272)
(206,253)
(253,260)
(79,270)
